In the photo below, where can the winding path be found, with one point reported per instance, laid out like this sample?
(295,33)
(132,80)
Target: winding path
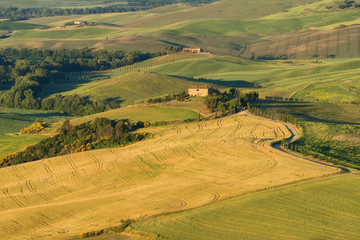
(294,136)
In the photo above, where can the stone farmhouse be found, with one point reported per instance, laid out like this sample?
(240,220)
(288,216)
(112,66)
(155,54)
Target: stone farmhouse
(80,22)
(193,50)
(200,91)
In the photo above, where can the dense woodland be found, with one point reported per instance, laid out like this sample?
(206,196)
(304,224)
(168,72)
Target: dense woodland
(130,6)
(31,69)
(101,133)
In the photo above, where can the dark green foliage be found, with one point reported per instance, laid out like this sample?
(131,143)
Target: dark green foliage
(329,150)
(47,66)
(347,4)
(231,101)
(78,106)
(173,49)
(115,229)
(101,133)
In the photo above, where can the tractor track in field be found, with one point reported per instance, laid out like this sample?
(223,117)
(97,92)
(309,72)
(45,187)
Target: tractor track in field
(178,130)
(28,184)
(215,197)
(76,173)
(200,128)
(115,153)
(52,175)
(252,132)
(143,166)
(157,157)
(217,129)
(238,127)
(47,168)
(5,191)
(99,164)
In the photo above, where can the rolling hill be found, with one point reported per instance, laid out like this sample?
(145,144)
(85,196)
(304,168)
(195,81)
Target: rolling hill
(133,86)
(181,167)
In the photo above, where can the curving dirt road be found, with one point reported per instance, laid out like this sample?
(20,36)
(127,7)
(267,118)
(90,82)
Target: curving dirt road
(295,136)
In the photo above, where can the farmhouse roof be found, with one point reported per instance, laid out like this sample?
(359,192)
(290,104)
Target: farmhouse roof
(199,87)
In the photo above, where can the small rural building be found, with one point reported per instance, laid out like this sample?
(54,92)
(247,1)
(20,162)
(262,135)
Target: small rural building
(193,50)
(201,91)
(79,22)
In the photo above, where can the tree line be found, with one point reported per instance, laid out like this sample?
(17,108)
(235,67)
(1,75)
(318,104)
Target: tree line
(15,13)
(181,96)
(30,70)
(100,133)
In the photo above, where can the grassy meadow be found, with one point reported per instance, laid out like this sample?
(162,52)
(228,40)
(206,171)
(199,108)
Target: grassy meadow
(321,209)
(170,112)
(13,120)
(183,166)
(133,86)
(14,143)
(331,80)
(150,114)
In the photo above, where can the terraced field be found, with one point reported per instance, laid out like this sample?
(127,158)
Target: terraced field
(182,167)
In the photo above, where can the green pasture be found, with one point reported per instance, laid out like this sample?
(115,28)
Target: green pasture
(323,112)
(132,87)
(336,80)
(310,9)
(14,143)
(82,33)
(13,120)
(12,26)
(150,114)
(334,91)
(112,18)
(321,209)
(327,81)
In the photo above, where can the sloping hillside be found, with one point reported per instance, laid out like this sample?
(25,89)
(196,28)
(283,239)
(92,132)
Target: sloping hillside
(182,167)
(133,86)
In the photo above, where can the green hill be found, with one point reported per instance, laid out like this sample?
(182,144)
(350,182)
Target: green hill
(132,87)
(321,209)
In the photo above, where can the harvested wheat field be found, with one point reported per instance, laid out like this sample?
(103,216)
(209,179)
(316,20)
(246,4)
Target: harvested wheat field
(183,166)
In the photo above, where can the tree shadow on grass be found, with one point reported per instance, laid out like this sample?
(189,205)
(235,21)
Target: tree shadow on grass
(307,111)
(219,83)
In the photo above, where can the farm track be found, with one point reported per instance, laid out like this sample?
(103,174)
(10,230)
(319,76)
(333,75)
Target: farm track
(28,184)
(5,191)
(215,198)
(77,175)
(217,129)
(100,165)
(238,127)
(47,168)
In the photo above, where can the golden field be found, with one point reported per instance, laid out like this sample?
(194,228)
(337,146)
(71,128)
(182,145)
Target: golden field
(182,167)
